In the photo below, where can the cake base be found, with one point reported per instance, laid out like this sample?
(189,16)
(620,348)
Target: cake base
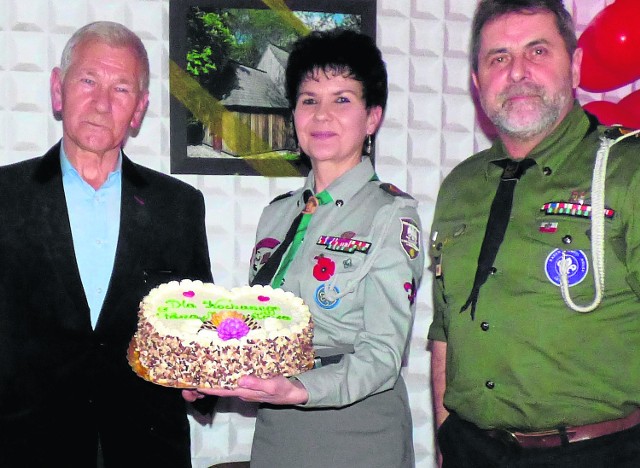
(133,357)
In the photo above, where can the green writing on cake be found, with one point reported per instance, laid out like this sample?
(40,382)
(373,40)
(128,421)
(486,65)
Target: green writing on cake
(175,309)
(178,316)
(227,304)
(261,315)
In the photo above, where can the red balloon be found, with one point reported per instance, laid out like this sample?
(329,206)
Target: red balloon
(607,112)
(625,113)
(611,45)
(597,78)
(618,32)
(630,107)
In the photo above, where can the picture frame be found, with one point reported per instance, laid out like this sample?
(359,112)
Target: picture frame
(229,114)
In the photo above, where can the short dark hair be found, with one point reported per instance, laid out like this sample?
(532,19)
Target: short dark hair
(342,51)
(488,10)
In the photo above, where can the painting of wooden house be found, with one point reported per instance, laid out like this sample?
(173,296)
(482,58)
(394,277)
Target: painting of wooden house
(257,118)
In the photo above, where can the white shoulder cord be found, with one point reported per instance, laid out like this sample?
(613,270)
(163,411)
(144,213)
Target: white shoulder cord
(597,229)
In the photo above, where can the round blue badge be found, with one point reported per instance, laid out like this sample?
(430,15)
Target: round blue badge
(578,266)
(321,298)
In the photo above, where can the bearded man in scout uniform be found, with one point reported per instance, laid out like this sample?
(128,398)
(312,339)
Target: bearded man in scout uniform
(535,246)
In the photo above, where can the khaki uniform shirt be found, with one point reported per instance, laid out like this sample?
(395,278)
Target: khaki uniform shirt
(358,270)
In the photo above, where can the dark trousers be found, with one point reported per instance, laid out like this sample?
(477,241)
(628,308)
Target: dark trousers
(464,445)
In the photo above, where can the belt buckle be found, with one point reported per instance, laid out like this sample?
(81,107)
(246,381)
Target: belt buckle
(505,436)
(546,438)
(510,437)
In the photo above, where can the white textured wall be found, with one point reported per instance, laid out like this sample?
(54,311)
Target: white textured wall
(430,126)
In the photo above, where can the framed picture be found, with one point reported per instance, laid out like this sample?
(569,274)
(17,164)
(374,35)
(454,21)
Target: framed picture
(229,112)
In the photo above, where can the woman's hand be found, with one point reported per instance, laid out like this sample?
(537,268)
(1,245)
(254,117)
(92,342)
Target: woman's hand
(276,390)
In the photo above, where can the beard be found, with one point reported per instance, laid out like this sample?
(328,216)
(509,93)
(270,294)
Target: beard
(528,118)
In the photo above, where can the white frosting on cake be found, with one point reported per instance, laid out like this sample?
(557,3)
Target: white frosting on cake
(181,309)
(195,334)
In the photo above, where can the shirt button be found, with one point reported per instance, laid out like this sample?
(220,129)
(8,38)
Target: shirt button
(567,239)
(490,384)
(339,203)
(547,170)
(484,326)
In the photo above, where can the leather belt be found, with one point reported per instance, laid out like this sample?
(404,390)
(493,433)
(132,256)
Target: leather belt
(566,435)
(326,356)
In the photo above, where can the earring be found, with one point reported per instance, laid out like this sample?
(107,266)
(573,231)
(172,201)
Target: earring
(368,144)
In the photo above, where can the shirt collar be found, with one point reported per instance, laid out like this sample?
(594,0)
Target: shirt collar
(68,169)
(349,183)
(556,148)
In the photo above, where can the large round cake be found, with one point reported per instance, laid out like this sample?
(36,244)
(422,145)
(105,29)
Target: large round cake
(193,334)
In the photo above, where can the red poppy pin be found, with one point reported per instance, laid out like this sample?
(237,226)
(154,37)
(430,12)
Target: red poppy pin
(324,269)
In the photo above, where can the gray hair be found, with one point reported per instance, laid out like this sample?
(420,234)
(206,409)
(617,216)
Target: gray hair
(114,35)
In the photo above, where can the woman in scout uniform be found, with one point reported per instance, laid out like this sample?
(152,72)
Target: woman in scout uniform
(358,270)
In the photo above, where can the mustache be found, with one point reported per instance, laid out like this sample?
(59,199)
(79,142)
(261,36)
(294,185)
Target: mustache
(522,89)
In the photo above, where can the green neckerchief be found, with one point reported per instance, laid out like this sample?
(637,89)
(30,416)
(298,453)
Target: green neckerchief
(321,198)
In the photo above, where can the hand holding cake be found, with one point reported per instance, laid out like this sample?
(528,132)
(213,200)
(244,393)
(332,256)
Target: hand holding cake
(349,246)
(277,390)
(200,335)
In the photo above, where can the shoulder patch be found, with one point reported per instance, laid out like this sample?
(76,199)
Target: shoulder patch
(393,190)
(281,197)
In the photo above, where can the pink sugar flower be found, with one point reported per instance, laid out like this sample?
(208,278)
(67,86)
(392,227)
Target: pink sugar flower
(232,328)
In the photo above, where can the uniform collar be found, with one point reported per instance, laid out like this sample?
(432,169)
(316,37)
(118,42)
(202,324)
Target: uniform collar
(348,184)
(555,149)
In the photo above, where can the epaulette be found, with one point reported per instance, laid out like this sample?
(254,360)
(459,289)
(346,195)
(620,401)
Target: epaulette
(393,190)
(281,197)
(617,131)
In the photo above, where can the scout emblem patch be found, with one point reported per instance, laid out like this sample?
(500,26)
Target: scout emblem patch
(321,298)
(578,266)
(410,237)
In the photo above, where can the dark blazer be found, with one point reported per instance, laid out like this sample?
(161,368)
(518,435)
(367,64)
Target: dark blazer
(61,381)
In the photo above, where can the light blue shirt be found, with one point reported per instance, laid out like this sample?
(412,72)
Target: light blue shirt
(94,216)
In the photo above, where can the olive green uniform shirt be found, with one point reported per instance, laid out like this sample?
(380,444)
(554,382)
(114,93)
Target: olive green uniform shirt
(528,361)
